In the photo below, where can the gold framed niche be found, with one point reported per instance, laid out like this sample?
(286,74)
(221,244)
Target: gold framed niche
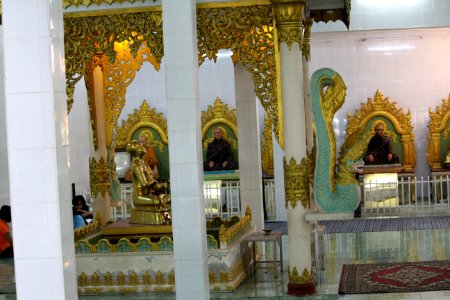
(438,131)
(397,126)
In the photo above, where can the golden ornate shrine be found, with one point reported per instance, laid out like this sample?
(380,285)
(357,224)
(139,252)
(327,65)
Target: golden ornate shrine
(136,37)
(397,123)
(438,131)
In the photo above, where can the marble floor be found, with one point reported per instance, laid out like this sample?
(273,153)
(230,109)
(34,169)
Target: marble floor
(338,249)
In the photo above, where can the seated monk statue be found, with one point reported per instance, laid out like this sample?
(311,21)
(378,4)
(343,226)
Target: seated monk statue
(150,198)
(218,154)
(379,150)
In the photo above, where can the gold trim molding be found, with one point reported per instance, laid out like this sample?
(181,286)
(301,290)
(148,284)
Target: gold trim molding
(437,126)
(145,116)
(99,177)
(294,277)
(380,106)
(296,182)
(289,21)
(87,3)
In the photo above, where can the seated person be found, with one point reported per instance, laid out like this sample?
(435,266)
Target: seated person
(218,154)
(6,243)
(379,150)
(150,198)
(80,209)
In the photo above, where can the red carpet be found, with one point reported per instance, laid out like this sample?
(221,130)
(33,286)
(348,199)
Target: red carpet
(395,277)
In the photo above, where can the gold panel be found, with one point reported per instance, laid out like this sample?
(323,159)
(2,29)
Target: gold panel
(306,276)
(145,116)
(438,125)
(99,177)
(267,148)
(296,182)
(383,107)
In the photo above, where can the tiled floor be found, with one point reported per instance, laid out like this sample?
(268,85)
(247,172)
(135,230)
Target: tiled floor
(362,247)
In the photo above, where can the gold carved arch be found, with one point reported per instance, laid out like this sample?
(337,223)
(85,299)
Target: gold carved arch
(380,106)
(437,126)
(267,148)
(245,30)
(145,116)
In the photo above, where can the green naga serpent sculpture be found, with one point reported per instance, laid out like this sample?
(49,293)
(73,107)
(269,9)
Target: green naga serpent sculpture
(335,189)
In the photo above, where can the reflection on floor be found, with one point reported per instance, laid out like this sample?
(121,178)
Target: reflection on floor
(361,247)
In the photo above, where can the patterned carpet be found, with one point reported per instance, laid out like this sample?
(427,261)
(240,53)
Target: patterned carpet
(395,277)
(387,224)
(373,225)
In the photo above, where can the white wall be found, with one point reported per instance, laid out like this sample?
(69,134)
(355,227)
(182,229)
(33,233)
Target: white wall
(392,14)
(4,175)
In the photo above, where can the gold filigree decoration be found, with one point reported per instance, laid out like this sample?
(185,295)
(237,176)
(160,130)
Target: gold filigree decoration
(289,17)
(296,182)
(267,148)
(306,45)
(145,116)
(99,177)
(437,126)
(87,3)
(85,37)
(306,277)
(383,107)
(248,32)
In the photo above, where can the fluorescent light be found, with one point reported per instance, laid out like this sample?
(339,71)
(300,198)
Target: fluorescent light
(386,48)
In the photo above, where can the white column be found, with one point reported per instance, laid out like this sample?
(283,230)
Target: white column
(249,146)
(186,169)
(289,16)
(4,174)
(37,136)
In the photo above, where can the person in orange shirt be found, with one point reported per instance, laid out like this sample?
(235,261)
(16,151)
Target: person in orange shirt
(6,248)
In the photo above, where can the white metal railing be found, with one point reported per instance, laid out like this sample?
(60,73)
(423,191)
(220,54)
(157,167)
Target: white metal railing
(222,198)
(410,195)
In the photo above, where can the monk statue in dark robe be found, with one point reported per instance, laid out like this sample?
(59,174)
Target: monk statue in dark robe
(379,151)
(218,154)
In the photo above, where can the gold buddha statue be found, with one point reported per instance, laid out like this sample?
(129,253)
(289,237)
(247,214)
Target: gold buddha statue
(152,204)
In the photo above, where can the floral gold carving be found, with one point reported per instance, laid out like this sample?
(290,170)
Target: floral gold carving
(296,182)
(145,116)
(85,37)
(78,3)
(289,16)
(437,126)
(380,106)
(99,177)
(248,32)
(306,276)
